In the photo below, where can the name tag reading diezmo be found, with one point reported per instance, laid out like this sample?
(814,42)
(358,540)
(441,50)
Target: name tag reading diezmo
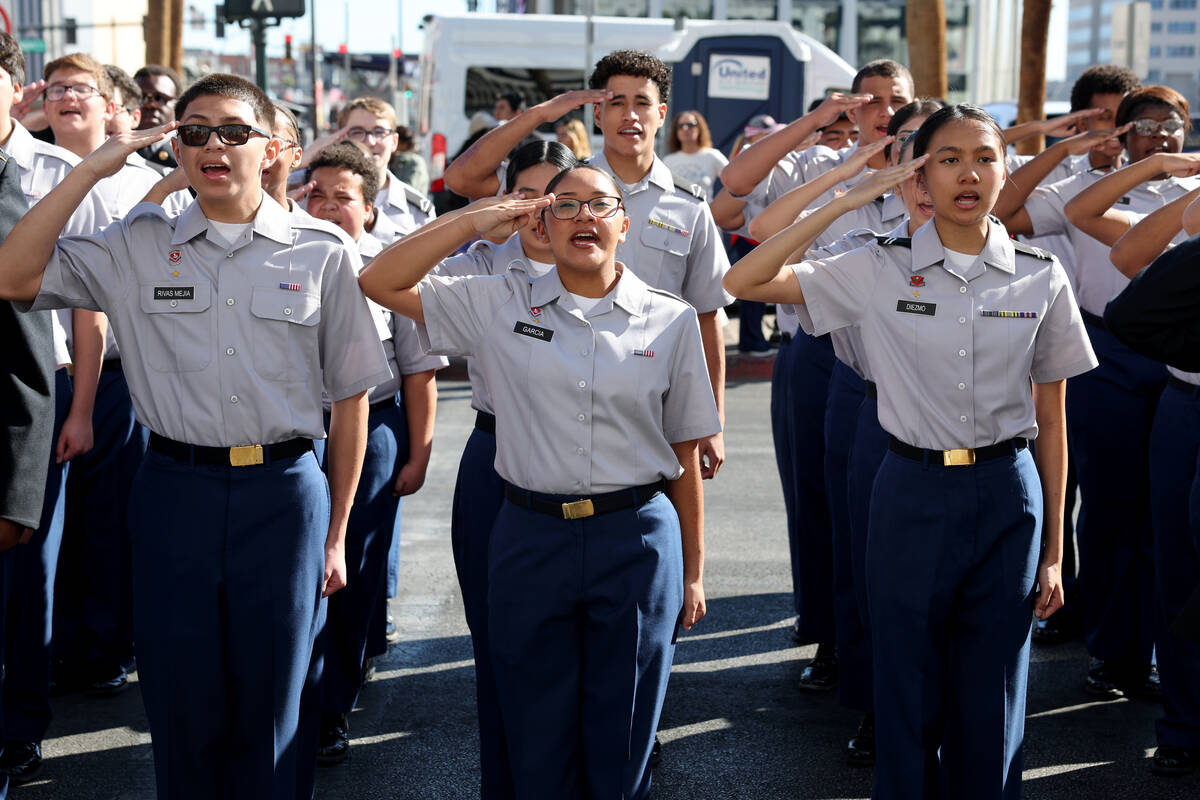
(525,329)
(909,307)
(174,292)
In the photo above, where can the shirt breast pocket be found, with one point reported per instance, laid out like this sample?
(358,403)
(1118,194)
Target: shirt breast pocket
(177,334)
(662,258)
(284,336)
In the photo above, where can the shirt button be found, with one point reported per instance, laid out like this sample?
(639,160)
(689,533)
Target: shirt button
(962,290)
(287,312)
(583,384)
(174,303)
(583,352)
(581,417)
(579,450)
(962,418)
(229,351)
(962,386)
(962,320)
(228,301)
(962,352)
(233,398)
(229,255)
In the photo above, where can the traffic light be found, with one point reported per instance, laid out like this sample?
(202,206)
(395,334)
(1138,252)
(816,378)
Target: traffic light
(220,21)
(287,47)
(342,50)
(396,54)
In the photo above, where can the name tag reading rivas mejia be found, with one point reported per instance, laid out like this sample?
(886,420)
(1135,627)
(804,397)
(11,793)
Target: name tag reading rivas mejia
(174,292)
(525,329)
(910,307)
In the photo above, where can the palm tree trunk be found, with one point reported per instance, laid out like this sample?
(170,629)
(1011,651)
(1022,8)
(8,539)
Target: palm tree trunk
(925,26)
(1035,27)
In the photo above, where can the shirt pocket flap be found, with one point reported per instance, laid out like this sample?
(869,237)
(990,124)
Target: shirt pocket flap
(664,239)
(300,308)
(175,297)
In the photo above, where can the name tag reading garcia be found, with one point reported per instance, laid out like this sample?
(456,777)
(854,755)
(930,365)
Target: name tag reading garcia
(174,292)
(912,307)
(525,329)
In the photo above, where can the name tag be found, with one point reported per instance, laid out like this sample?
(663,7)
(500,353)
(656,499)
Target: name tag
(910,307)
(174,292)
(525,329)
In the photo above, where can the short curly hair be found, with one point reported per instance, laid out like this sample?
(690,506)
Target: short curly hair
(1102,79)
(637,63)
(350,157)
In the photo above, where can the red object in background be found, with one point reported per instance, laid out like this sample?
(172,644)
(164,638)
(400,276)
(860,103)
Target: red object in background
(341,49)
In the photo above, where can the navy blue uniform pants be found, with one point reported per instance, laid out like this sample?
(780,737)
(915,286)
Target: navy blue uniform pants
(846,393)
(28,577)
(1110,411)
(799,392)
(478,495)
(1175,487)
(951,566)
(866,454)
(228,564)
(582,616)
(94,612)
(368,537)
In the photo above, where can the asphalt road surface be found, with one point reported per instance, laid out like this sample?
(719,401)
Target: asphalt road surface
(734,725)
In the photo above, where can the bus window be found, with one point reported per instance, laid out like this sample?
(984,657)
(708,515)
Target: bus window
(485,84)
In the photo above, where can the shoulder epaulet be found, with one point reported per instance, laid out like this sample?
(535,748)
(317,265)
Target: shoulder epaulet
(314,224)
(686,186)
(147,209)
(894,241)
(1030,250)
(665,293)
(861,233)
(417,199)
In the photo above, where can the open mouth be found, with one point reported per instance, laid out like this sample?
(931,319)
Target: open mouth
(925,208)
(215,170)
(584,239)
(631,132)
(966,199)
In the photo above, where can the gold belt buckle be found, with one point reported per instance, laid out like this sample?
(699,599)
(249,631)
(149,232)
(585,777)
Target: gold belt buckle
(958,458)
(247,455)
(578,509)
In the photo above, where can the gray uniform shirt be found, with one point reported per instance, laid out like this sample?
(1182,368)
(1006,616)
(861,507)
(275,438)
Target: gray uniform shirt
(406,210)
(672,243)
(225,344)
(953,352)
(1096,280)
(584,403)
(485,258)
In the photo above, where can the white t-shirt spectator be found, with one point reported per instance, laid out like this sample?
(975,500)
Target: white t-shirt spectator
(701,167)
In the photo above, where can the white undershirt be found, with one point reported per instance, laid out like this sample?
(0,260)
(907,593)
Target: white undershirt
(960,260)
(538,268)
(227,232)
(585,304)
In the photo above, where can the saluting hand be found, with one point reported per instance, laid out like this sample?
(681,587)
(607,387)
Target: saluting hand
(297,195)
(109,158)
(30,94)
(883,181)
(862,154)
(1082,143)
(835,105)
(501,217)
(1068,124)
(561,105)
(1181,165)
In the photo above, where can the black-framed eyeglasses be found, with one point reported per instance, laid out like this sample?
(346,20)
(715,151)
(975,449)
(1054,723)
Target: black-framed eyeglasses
(1149,127)
(688,125)
(363,134)
(601,207)
(234,134)
(81,91)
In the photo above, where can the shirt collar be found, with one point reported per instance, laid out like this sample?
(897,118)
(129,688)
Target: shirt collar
(928,250)
(510,254)
(893,207)
(21,146)
(396,197)
(630,293)
(368,246)
(659,175)
(271,221)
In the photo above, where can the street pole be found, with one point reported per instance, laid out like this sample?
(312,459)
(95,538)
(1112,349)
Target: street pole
(258,32)
(316,71)
(589,43)
(346,64)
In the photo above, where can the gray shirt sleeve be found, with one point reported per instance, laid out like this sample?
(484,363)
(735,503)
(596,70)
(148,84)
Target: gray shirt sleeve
(457,311)
(1062,348)
(837,289)
(689,410)
(352,359)
(86,271)
(410,356)
(1046,207)
(707,264)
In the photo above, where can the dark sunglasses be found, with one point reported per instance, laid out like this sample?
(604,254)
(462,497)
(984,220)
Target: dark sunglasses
(688,125)
(196,135)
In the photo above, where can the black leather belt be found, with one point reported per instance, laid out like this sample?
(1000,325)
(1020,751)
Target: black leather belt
(872,390)
(485,422)
(1093,320)
(242,456)
(381,405)
(1189,389)
(608,502)
(963,457)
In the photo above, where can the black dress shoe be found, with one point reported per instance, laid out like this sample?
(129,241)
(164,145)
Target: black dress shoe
(335,740)
(21,761)
(1143,684)
(1102,681)
(656,752)
(821,674)
(1171,760)
(860,751)
(108,680)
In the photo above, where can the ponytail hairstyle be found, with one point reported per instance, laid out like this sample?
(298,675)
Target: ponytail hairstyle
(921,107)
(963,112)
(533,153)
